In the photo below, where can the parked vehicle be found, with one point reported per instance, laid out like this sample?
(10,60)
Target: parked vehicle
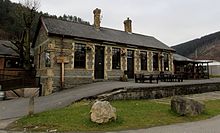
(2,95)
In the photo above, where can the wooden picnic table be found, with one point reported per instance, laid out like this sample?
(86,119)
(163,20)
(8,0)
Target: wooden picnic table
(171,77)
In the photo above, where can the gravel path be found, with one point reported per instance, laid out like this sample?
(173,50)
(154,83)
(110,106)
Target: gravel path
(205,126)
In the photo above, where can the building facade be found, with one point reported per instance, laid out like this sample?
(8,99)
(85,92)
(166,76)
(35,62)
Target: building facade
(68,54)
(9,59)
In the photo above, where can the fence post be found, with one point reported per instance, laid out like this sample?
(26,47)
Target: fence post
(31,106)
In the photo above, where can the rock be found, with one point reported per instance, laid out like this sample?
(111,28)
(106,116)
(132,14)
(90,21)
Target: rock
(102,112)
(186,107)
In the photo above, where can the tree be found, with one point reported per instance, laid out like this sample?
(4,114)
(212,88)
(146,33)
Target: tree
(28,16)
(18,23)
(27,11)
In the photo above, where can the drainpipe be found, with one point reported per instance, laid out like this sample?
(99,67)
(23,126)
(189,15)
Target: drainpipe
(62,75)
(62,65)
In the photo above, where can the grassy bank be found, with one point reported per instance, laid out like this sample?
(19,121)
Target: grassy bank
(132,114)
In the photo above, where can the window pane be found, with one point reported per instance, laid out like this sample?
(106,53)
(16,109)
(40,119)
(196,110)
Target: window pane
(47,60)
(166,62)
(12,63)
(80,56)
(155,62)
(143,60)
(116,58)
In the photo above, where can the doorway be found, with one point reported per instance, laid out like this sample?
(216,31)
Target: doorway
(99,62)
(130,63)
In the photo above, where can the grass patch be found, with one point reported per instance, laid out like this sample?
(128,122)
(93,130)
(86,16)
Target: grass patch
(214,76)
(131,114)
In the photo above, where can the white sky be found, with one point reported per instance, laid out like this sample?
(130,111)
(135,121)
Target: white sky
(170,21)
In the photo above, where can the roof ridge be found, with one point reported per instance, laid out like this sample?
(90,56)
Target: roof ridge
(127,32)
(100,27)
(62,27)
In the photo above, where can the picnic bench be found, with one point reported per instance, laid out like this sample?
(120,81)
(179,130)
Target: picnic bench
(141,78)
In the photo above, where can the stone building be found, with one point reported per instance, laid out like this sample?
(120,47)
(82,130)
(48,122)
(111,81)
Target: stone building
(67,53)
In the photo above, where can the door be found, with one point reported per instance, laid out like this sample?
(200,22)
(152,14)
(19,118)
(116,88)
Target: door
(99,62)
(130,63)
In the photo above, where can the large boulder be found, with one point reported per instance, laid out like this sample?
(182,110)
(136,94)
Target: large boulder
(186,107)
(102,112)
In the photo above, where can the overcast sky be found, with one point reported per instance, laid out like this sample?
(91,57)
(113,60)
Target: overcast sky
(170,21)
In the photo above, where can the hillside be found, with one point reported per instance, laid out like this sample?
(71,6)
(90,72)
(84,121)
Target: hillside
(11,24)
(206,47)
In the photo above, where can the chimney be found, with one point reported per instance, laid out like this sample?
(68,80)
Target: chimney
(127,25)
(97,20)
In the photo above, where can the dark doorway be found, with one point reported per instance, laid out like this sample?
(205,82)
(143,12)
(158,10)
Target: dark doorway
(99,62)
(130,63)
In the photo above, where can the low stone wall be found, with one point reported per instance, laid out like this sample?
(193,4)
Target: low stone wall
(71,82)
(158,92)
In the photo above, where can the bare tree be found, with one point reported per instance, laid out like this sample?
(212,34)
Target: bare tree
(28,16)
(26,12)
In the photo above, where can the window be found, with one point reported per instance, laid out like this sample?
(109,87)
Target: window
(155,62)
(116,59)
(143,60)
(166,62)
(80,56)
(47,59)
(12,63)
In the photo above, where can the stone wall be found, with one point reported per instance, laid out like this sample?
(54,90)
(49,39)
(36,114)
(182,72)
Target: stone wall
(150,61)
(159,92)
(137,61)
(171,66)
(114,74)
(70,82)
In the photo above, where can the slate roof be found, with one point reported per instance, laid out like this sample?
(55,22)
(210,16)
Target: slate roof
(59,27)
(4,51)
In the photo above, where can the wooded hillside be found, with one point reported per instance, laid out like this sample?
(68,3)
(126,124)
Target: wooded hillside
(11,25)
(206,47)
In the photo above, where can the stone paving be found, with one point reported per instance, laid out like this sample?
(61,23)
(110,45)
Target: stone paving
(205,96)
(199,97)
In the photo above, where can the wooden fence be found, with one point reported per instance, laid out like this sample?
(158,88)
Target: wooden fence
(15,79)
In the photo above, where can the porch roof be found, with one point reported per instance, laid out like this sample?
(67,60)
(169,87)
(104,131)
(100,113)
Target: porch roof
(6,51)
(177,57)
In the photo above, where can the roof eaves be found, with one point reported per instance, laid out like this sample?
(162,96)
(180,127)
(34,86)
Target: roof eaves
(69,36)
(42,21)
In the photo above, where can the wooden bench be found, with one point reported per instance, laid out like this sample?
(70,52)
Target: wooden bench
(138,78)
(143,77)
